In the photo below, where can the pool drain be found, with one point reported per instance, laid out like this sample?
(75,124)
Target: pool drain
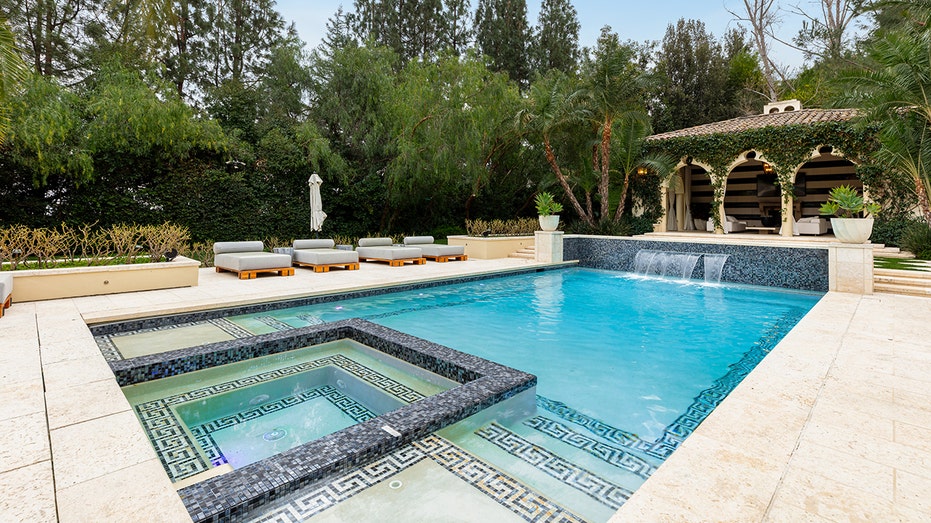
(395,485)
(275,434)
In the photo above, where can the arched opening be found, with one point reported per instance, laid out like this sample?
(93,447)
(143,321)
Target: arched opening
(753,194)
(815,179)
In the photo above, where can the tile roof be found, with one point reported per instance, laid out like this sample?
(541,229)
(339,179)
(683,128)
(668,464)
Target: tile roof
(758,121)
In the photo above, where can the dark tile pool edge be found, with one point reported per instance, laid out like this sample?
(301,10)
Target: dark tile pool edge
(483,383)
(788,267)
(150,322)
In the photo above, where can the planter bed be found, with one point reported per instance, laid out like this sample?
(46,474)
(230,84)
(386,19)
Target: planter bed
(50,284)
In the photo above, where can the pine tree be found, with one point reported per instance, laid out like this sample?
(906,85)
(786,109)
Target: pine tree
(501,34)
(556,40)
(457,27)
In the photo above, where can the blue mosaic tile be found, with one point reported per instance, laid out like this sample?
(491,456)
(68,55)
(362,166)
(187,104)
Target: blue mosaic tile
(556,466)
(482,383)
(488,480)
(785,267)
(616,456)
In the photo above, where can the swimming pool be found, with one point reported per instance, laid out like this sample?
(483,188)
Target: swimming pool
(627,366)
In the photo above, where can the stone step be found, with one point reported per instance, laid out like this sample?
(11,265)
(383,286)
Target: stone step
(899,280)
(891,252)
(909,290)
(528,253)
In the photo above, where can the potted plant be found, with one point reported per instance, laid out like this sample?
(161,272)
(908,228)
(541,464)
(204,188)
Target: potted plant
(549,210)
(852,223)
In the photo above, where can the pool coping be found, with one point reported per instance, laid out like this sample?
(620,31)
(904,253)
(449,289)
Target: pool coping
(483,383)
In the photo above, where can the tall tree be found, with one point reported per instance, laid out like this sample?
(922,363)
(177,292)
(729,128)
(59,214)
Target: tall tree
(240,38)
(13,73)
(53,34)
(502,34)
(556,38)
(761,16)
(693,74)
(457,25)
(409,29)
(825,35)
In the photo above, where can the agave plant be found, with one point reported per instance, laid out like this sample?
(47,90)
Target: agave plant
(845,202)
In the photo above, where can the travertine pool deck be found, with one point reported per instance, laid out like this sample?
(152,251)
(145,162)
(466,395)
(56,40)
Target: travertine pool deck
(834,425)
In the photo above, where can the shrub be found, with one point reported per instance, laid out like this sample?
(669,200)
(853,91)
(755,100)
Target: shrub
(518,227)
(917,240)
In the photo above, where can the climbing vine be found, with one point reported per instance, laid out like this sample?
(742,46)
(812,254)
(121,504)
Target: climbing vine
(784,147)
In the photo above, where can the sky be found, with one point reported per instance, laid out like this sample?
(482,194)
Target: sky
(638,20)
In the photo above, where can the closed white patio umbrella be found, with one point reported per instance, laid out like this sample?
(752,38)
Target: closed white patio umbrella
(316,203)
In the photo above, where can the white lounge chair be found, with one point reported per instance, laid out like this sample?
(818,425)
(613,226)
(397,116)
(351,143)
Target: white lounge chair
(383,249)
(435,251)
(249,258)
(6,292)
(321,256)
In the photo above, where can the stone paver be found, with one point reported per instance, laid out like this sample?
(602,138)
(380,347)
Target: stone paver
(833,425)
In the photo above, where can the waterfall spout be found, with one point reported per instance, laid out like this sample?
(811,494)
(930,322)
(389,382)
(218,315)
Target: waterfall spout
(714,266)
(678,265)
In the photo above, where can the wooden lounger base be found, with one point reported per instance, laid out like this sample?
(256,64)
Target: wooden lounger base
(6,305)
(449,257)
(397,263)
(326,268)
(250,275)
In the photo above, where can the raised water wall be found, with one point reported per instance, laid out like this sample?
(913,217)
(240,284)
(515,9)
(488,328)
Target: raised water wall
(788,267)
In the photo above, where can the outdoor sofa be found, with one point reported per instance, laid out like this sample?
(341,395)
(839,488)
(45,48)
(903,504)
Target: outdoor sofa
(383,249)
(730,224)
(6,292)
(249,258)
(321,255)
(812,225)
(435,251)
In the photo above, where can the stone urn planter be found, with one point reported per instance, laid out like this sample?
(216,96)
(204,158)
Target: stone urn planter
(549,222)
(547,209)
(852,230)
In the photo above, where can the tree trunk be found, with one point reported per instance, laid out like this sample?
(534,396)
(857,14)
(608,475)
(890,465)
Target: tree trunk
(923,201)
(551,158)
(604,182)
(623,203)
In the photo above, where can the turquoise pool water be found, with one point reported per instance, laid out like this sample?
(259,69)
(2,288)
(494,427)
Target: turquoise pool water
(631,351)
(627,367)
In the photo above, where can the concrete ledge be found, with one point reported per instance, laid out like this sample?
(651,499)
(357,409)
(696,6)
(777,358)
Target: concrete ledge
(51,284)
(492,247)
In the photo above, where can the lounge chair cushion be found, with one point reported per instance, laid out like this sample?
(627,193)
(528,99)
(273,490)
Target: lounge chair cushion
(251,246)
(434,249)
(417,240)
(6,287)
(314,244)
(321,252)
(375,242)
(251,261)
(388,252)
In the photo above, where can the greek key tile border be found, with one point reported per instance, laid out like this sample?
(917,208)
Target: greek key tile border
(612,455)
(178,453)
(112,353)
(203,433)
(556,466)
(497,485)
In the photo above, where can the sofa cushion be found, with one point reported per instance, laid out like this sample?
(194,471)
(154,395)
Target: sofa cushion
(418,240)
(314,244)
(442,250)
(389,252)
(325,256)
(251,261)
(250,246)
(6,287)
(375,242)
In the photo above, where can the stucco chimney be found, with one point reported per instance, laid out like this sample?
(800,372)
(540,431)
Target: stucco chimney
(783,106)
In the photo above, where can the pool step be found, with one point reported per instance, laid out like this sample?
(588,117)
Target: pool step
(897,281)
(529,252)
